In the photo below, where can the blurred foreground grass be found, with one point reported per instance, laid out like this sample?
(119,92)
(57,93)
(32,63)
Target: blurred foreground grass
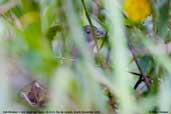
(38,39)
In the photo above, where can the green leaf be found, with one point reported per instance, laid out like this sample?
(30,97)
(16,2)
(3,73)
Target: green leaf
(146,63)
(52,31)
(163,19)
(49,16)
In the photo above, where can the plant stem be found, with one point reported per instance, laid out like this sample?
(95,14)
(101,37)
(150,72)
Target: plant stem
(142,76)
(90,22)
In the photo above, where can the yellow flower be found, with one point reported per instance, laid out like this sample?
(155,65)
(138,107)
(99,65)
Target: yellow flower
(137,10)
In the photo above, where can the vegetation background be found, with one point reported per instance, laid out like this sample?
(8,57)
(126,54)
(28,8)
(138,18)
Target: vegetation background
(129,73)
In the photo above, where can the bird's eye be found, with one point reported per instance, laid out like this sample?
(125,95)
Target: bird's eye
(102,32)
(88,31)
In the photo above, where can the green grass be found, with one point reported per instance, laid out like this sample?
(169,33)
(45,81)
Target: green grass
(29,30)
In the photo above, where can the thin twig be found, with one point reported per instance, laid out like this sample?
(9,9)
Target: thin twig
(142,76)
(136,74)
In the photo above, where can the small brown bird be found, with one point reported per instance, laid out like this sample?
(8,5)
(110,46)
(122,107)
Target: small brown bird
(99,33)
(87,30)
(34,94)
